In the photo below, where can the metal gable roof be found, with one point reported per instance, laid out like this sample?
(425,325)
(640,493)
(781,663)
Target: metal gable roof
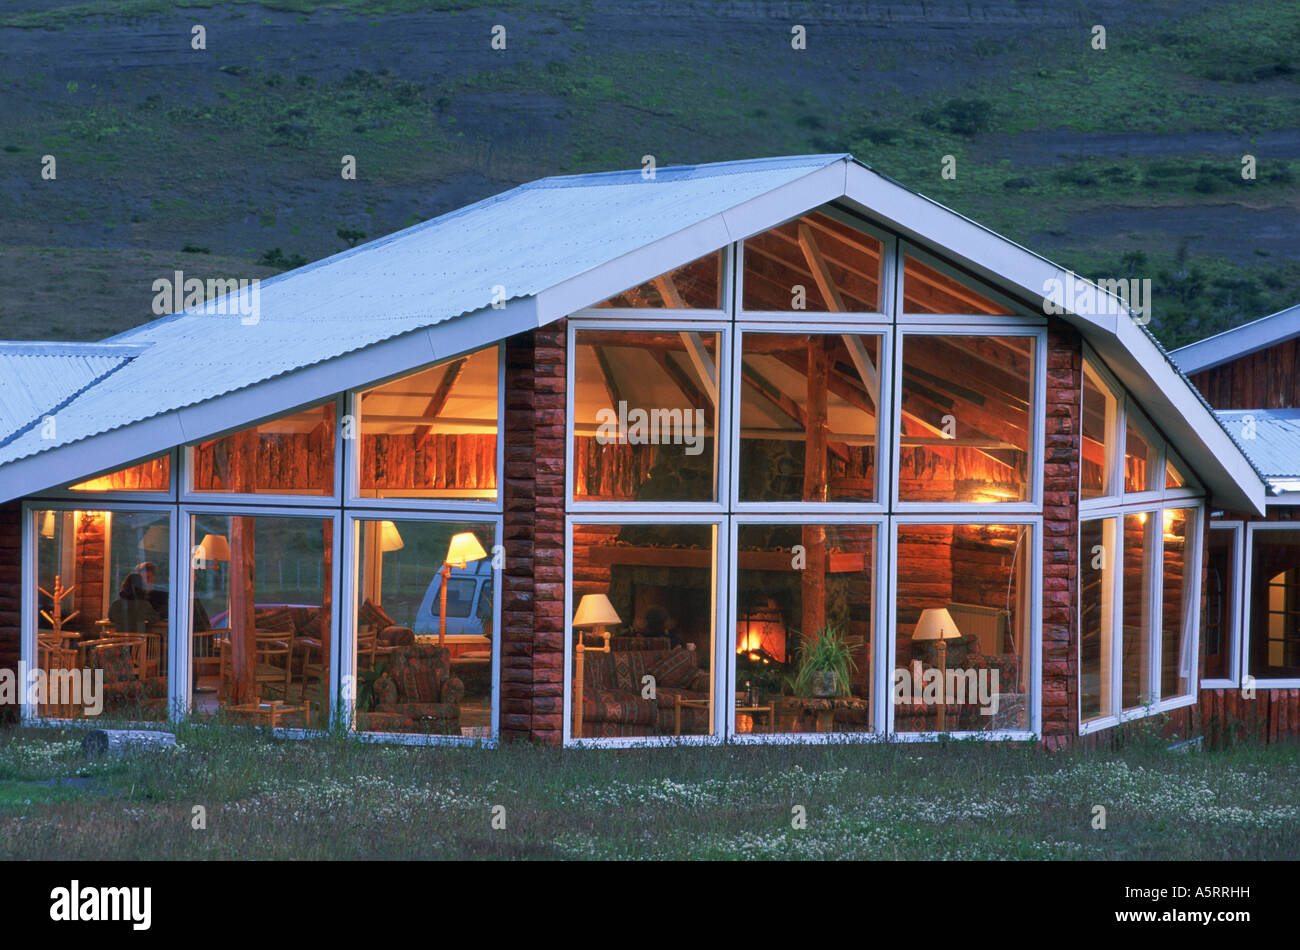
(36,379)
(524,241)
(551,247)
(1239,341)
(1269,437)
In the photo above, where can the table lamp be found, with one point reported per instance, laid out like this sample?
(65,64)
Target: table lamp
(595,612)
(937,624)
(464,548)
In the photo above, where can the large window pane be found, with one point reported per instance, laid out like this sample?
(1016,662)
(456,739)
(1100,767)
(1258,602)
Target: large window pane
(963,628)
(423,666)
(292,455)
(697,285)
(1135,642)
(261,618)
(648,592)
(1139,460)
(815,263)
(805,609)
(1099,436)
(1176,604)
(151,475)
(101,613)
(927,290)
(809,409)
(965,418)
(1096,600)
(1219,620)
(1275,603)
(645,415)
(433,434)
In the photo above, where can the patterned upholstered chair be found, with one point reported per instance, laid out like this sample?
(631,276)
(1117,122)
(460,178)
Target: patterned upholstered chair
(417,693)
(124,692)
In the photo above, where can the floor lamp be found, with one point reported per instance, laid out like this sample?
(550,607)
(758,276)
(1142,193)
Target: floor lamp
(937,624)
(595,612)
(464,548)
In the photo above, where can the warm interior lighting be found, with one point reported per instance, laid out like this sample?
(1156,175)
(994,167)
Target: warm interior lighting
(47,525)
(936,624)
(390,539)
(464,548)
(214,547)
(595,610)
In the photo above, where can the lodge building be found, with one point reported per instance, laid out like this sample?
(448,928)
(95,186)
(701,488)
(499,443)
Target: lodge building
(419,491)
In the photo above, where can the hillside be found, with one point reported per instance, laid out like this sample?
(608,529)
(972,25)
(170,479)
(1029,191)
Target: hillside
(226,161)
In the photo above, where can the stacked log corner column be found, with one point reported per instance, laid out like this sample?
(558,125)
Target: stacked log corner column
(1060,693)
(10,593)
(532,610)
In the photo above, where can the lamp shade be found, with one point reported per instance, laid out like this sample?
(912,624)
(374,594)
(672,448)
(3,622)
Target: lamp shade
(389,538)
(155,539)
(595,610)
(47,525)
(464,548)
(214,547)
(935,624)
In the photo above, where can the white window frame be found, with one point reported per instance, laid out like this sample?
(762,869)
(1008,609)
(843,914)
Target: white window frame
(722,421)
(1154,611)
(223,499)
(1037,419)
(351,602)
(1113,609)
(1278,682)
(1139,421)
(722,584)
(1114,444)
(28,600)
(888,278)
(880,682)
(1236,619)
(352,477)
(1035,632)
(182,641)
(884,419)
(111,497)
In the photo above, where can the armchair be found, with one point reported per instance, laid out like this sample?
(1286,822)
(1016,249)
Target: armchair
(417,693)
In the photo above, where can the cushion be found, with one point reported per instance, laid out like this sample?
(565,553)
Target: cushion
(273,618)
(675,668)
(372,615)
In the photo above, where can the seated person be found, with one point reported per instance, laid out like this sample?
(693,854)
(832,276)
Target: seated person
(132,612)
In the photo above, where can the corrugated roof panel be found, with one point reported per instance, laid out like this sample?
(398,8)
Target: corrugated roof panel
(525,240)
(1269,437)
(37,378)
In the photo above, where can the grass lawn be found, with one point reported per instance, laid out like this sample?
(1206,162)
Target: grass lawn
(335,798)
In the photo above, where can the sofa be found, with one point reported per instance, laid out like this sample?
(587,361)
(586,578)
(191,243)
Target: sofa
(612,703)
(416,693)
(916,715)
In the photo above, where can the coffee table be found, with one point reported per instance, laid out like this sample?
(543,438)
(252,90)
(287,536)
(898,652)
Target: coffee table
(269,712)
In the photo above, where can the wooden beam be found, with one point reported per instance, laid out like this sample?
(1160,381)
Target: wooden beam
(820,272)
(683,382)
(668,292)
(863,364)
(440,395)
(785,404)
(607,374)
(703,362)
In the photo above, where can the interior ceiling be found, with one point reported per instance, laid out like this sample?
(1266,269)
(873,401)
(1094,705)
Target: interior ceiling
(461,394)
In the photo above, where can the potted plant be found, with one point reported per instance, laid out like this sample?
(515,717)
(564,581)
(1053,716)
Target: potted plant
(825,664)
